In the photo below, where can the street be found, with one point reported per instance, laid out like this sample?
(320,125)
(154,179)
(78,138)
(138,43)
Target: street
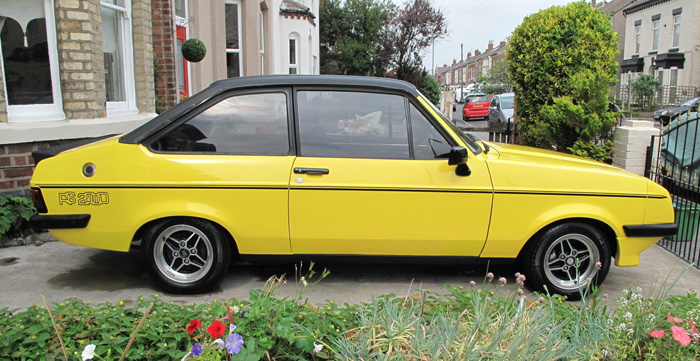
(457,117)
(61,271)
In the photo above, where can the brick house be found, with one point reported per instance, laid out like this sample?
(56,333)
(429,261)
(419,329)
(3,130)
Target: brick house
(74,69)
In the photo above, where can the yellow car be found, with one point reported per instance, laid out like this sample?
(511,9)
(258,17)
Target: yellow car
(333,166)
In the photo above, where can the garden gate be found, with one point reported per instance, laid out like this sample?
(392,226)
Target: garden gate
(673,160)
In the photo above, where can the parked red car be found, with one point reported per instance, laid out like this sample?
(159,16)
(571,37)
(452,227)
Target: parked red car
(476,106)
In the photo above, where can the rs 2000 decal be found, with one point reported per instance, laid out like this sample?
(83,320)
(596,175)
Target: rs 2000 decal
(84,198)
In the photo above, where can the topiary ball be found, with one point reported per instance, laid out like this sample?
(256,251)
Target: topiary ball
(193,50)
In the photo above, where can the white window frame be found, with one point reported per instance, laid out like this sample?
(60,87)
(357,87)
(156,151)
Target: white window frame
(655,28)
(677,30)
(127,106)
(240,40)
(637,38)
(294,65)
(262,44)
(26,113)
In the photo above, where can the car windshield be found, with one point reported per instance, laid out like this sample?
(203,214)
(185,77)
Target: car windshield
(477,98)
(507,102)
(690,102)
(475,148)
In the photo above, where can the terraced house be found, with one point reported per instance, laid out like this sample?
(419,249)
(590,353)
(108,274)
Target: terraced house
(74,69)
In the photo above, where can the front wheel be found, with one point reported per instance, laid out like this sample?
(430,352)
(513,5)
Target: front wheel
(567,258)
(186,255)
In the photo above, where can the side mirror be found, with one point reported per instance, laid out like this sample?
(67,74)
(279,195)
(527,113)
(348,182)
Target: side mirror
(458,155)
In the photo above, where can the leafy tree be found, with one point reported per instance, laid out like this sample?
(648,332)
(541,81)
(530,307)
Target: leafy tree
(431,89)
(413,29)
(645,87)
(352,35)
(561,61)
(495,80)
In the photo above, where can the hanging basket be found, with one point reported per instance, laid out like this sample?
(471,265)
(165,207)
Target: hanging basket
(193,50)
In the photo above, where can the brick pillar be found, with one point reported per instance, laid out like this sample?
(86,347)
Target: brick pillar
(3,103)
(631,142)
(164,54)
(79,31)
(143,56)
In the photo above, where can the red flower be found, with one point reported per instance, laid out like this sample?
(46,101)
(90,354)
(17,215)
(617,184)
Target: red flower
(216,330)
(681,335)
(229,316)
(673,319)
(657,333)
(194,324)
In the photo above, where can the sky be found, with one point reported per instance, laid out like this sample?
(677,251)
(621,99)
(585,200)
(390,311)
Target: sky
(475,22)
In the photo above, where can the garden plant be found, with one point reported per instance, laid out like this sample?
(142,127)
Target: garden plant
(487,321)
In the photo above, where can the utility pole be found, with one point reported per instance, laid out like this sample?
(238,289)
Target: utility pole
(433,67)
(461,71)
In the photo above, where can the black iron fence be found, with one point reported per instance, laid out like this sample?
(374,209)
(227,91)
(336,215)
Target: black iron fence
(673,160)
(667,96)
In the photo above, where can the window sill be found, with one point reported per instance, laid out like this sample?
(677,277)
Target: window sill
(653,52)
(14,133)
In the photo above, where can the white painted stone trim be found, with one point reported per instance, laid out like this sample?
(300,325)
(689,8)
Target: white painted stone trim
(14,133)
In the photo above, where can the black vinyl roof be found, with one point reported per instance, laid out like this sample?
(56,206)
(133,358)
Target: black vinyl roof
(252,82)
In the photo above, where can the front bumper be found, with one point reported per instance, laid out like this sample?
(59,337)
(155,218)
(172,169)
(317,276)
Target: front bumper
(651,230)
(59,221)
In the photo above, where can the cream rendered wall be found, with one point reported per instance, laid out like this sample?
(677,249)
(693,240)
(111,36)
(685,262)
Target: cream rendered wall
(209,26)
(689,38)
(308,40)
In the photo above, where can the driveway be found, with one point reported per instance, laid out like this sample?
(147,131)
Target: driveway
(61,271)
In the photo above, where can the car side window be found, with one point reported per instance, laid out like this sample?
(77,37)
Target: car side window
(428,143)
(255,124)
(351,124)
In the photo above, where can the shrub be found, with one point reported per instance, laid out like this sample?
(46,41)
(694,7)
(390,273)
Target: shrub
(560,61)
(431,89)
(14,216)
(645,87)
(193,50)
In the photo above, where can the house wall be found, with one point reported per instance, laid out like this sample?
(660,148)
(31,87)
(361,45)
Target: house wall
(689,37)
(76,26)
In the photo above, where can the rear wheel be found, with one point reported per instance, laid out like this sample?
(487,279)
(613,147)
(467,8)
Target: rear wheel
(186,255)
(567,258)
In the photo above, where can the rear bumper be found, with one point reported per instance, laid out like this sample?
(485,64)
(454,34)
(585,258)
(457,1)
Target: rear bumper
(651,230)
(59,221)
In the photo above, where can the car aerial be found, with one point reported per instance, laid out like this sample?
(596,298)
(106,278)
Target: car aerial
(666,115)
(476,106)
(339,167)
(501,112)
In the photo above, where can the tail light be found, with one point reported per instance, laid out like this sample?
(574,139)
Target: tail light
(38,200)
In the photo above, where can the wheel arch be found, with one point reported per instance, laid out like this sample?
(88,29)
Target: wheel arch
(138,235)
(607,231)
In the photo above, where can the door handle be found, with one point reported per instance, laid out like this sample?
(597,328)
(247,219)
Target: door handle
(311,171)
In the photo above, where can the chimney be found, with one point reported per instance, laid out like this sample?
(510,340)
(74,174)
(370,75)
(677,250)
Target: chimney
(469,55)
(454,62)
(490,45)
(502,44)
(477,53)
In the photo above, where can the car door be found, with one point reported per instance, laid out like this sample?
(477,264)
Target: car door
(493,110)
(229,160)
(371,178)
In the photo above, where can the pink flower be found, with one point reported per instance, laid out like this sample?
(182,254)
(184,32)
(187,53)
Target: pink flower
(489,275)
(520,291)
(599,265)
(472,283)
(680,335)
(673,319)
(657,333)
(502,281)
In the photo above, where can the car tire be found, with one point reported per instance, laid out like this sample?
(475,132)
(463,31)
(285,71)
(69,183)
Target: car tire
(551,260)
(186,255)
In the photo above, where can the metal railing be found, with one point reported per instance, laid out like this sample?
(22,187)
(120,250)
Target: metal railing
(667,96)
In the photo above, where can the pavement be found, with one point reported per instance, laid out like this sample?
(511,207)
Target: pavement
(62,271)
